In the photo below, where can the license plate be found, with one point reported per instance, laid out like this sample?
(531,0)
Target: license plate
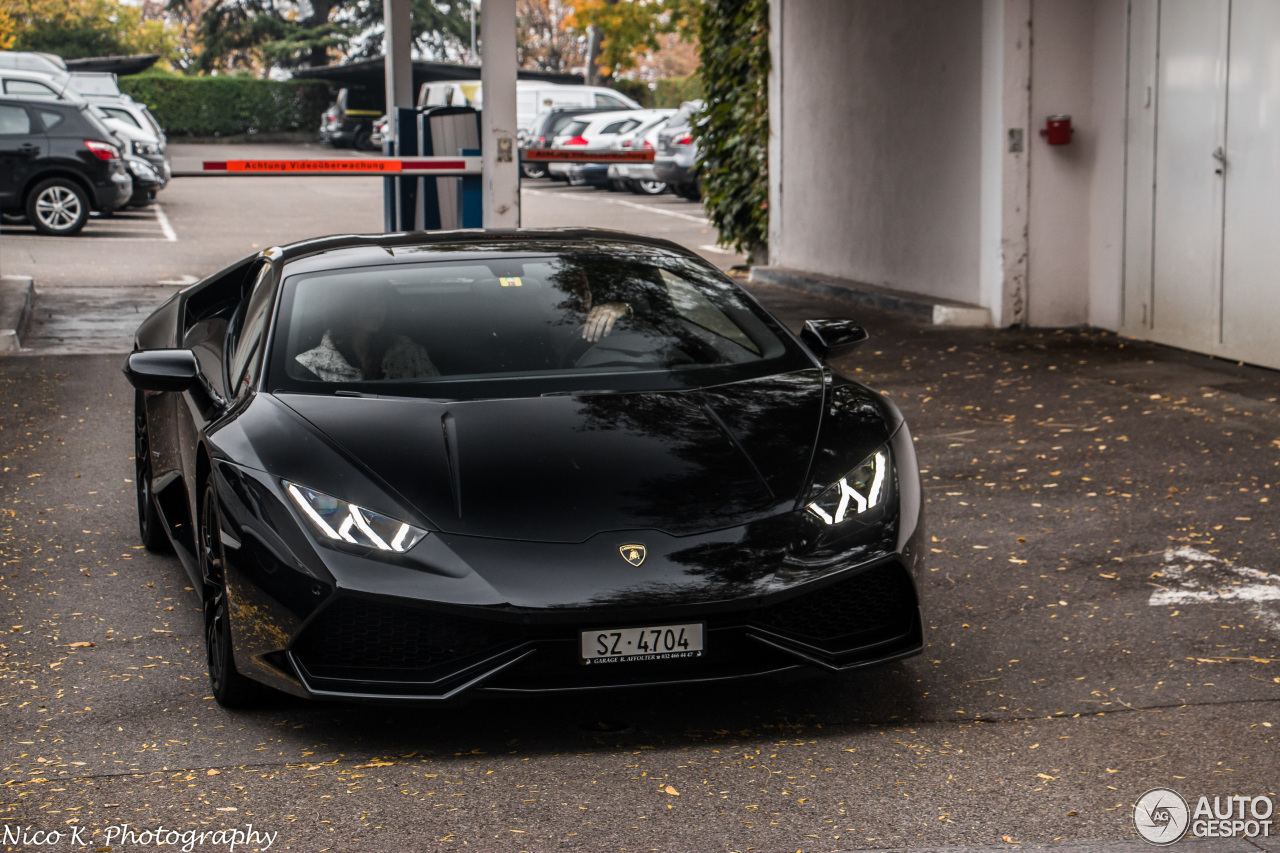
(664,642)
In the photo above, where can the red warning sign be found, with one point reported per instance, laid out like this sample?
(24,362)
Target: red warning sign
(561,155)
(390,166)
(294,166)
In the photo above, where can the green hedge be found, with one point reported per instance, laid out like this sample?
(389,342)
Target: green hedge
(226,106)
(674,91)
(670,92)
(733,134)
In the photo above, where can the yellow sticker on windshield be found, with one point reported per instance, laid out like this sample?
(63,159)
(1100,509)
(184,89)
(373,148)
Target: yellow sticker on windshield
(513,281)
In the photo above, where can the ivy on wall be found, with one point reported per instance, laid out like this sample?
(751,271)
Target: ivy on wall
(733,131)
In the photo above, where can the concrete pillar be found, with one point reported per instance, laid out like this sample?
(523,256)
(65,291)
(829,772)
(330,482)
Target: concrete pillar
(1006,147)
(397,43)
(499,155)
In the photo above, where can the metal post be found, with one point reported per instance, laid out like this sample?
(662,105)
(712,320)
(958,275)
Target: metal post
(471,57)
(501,163)
(397,44)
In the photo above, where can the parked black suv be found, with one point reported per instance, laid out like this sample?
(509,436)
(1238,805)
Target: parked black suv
(58,162)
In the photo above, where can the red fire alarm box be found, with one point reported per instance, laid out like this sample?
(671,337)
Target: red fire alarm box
(1057,130)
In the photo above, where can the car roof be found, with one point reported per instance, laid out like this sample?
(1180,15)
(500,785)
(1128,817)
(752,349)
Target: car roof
(600,119)
(18,101)
(345,251)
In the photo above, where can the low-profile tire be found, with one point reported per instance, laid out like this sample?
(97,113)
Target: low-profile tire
(532,170)
(648,187)
(150,525)
(230,688)
(58,207)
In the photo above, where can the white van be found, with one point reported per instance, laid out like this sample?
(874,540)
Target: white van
(532,97)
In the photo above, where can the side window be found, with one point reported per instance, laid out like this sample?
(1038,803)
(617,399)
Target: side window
(14,121)
(123,115)
(246,359)
(30,88)
(610,101)
(697,309)
(50,118)
(613,127)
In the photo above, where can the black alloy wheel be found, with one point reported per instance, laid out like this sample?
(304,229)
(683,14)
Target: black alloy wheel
(58,207)
(230,688)
(150,526)
(364,140)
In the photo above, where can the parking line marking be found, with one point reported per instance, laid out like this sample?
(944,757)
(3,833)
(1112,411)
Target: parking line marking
(169,233)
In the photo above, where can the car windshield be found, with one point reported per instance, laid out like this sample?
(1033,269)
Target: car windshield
(523,325)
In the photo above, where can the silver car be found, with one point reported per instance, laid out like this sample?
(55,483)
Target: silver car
(639,177)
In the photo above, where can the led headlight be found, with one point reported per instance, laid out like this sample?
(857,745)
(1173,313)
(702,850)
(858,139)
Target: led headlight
(345,522)
(143,169)
(861,490)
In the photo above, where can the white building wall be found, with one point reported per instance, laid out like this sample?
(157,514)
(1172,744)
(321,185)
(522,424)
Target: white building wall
(1107,201)
(1060,179)
(877,177)
(1076,223)
(893,159)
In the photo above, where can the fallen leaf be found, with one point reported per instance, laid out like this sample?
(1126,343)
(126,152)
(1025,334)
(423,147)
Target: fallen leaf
(672,791)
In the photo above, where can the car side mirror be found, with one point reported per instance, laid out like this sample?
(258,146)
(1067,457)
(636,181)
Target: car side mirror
(169,370)
(163,370)
(830,338)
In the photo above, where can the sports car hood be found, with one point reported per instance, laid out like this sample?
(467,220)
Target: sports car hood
(564,468)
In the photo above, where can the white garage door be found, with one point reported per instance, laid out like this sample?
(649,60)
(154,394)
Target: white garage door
(1213,283)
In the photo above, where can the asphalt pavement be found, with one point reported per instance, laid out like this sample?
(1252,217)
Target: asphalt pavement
(1102,606)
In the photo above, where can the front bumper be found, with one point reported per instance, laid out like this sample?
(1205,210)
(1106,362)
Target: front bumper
(387,649)
(116,191)
(460,615)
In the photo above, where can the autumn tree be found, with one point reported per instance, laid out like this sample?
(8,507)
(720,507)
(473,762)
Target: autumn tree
(74,29)
(620,32)
(544,41)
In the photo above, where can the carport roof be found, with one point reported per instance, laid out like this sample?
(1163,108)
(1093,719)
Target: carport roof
(371,74)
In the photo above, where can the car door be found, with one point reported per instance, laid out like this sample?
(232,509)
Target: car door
(21,143)
(217,313)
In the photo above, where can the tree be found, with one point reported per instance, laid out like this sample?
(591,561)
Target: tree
(258,34)
(619,32)
(74,29)
(8,29)
(544,42)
